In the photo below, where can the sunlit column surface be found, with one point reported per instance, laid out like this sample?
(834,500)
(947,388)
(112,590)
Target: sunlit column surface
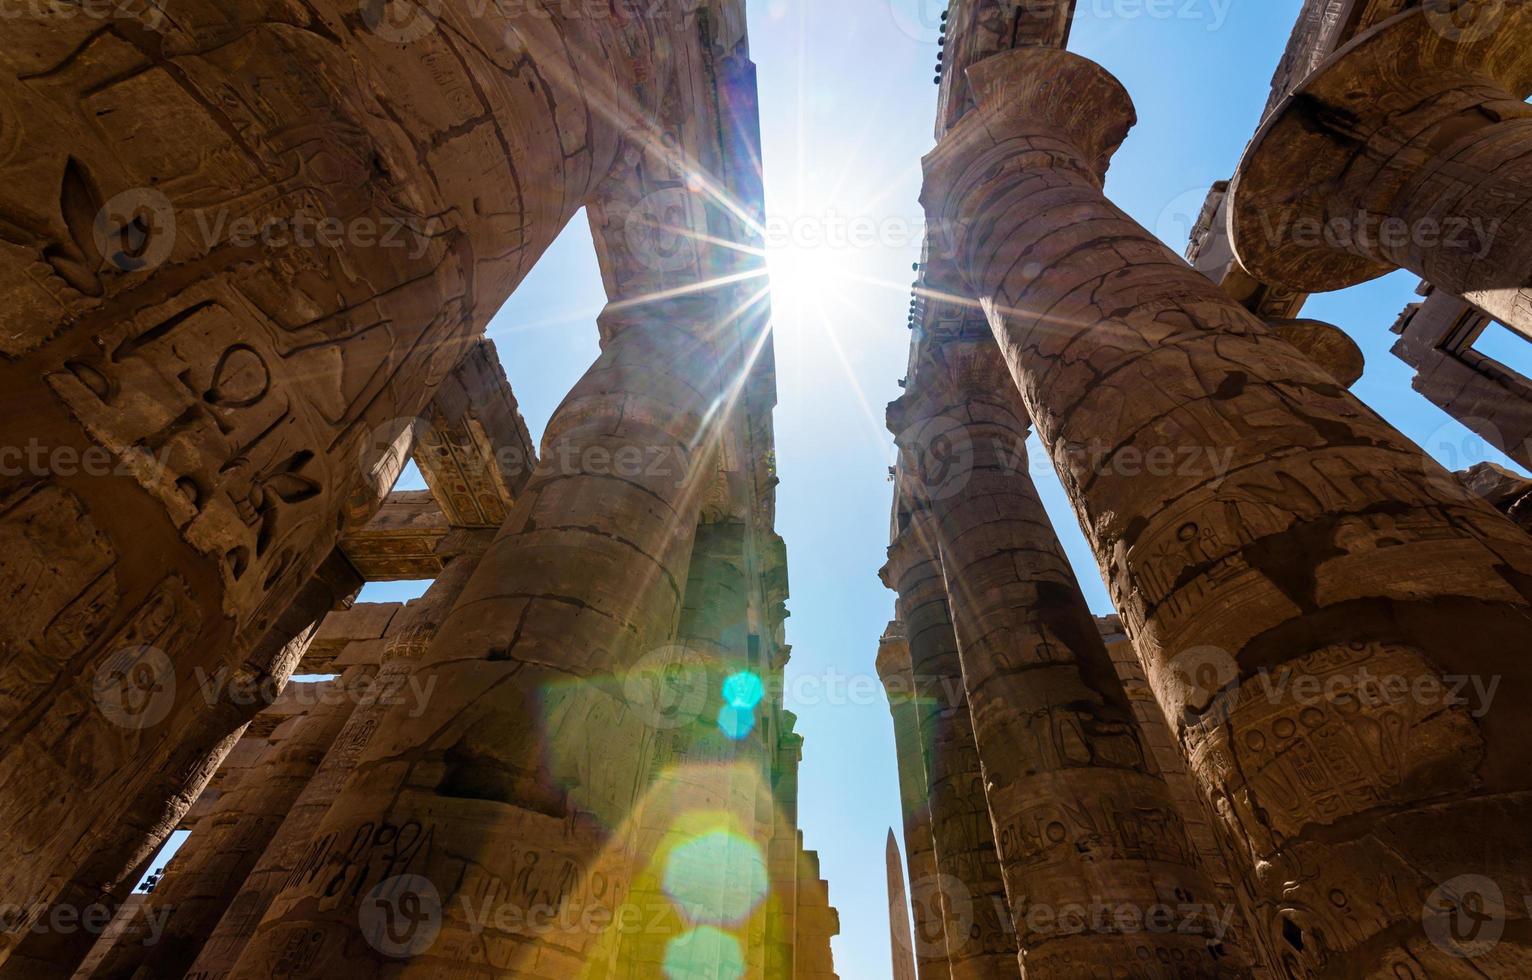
(491,827)
(1253,517)
(968,886)
(1092,847)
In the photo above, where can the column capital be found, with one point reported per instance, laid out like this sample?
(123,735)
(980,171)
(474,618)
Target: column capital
(1077,113)
(1320,179)
(949,375)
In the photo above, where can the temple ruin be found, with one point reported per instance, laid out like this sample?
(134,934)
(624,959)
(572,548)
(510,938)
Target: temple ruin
(249,252)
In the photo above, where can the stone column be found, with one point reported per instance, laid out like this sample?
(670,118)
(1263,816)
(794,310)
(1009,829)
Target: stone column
(1411,147)
(1255,520)
(208,871)
(114,866)
(509,794)
(980,943)
(1081,815)
(782,857)
(293,853)
(930,946)
(699,856)
(222,291)
(900,941)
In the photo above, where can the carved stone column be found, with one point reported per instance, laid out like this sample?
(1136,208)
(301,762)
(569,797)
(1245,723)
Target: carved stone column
(1411,147)
(511,792)
(1284,527)
(240,245)
(930,941)
(980,943)
(209,869)
(699,853)
(121,849)
(293,853)
(1082,818)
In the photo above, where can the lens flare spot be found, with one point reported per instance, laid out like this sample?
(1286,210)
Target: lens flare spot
(736,723)
(704,953)
(718,877)
(743,690)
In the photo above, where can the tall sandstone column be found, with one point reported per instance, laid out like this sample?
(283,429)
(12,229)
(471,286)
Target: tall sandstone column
(241,243)
(1310,538)
(980,943)
(467,832)
(930,939)
(1411,147)
(699,852)
(1080,813)
(207,872)
(294,852)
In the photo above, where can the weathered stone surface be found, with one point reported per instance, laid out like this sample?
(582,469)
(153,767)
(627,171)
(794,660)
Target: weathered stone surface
(1410,147)
(1323,543)
(1076,802)
(225,845)
(1437,337)
(968,886)
(399,542)
(235,381)
(293,853)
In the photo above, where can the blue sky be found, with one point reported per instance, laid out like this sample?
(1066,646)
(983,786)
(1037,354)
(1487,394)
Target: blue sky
(847,106)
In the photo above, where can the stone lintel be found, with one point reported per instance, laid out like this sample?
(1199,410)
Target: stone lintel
(400,542)
(476,453)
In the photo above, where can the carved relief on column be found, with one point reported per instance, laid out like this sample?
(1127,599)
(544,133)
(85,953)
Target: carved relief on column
(1410,147)
(294,854)
(240,244)
(1299,535)
(208,871)
(894,669)
(980,940)
(512,787)
(1078,807)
